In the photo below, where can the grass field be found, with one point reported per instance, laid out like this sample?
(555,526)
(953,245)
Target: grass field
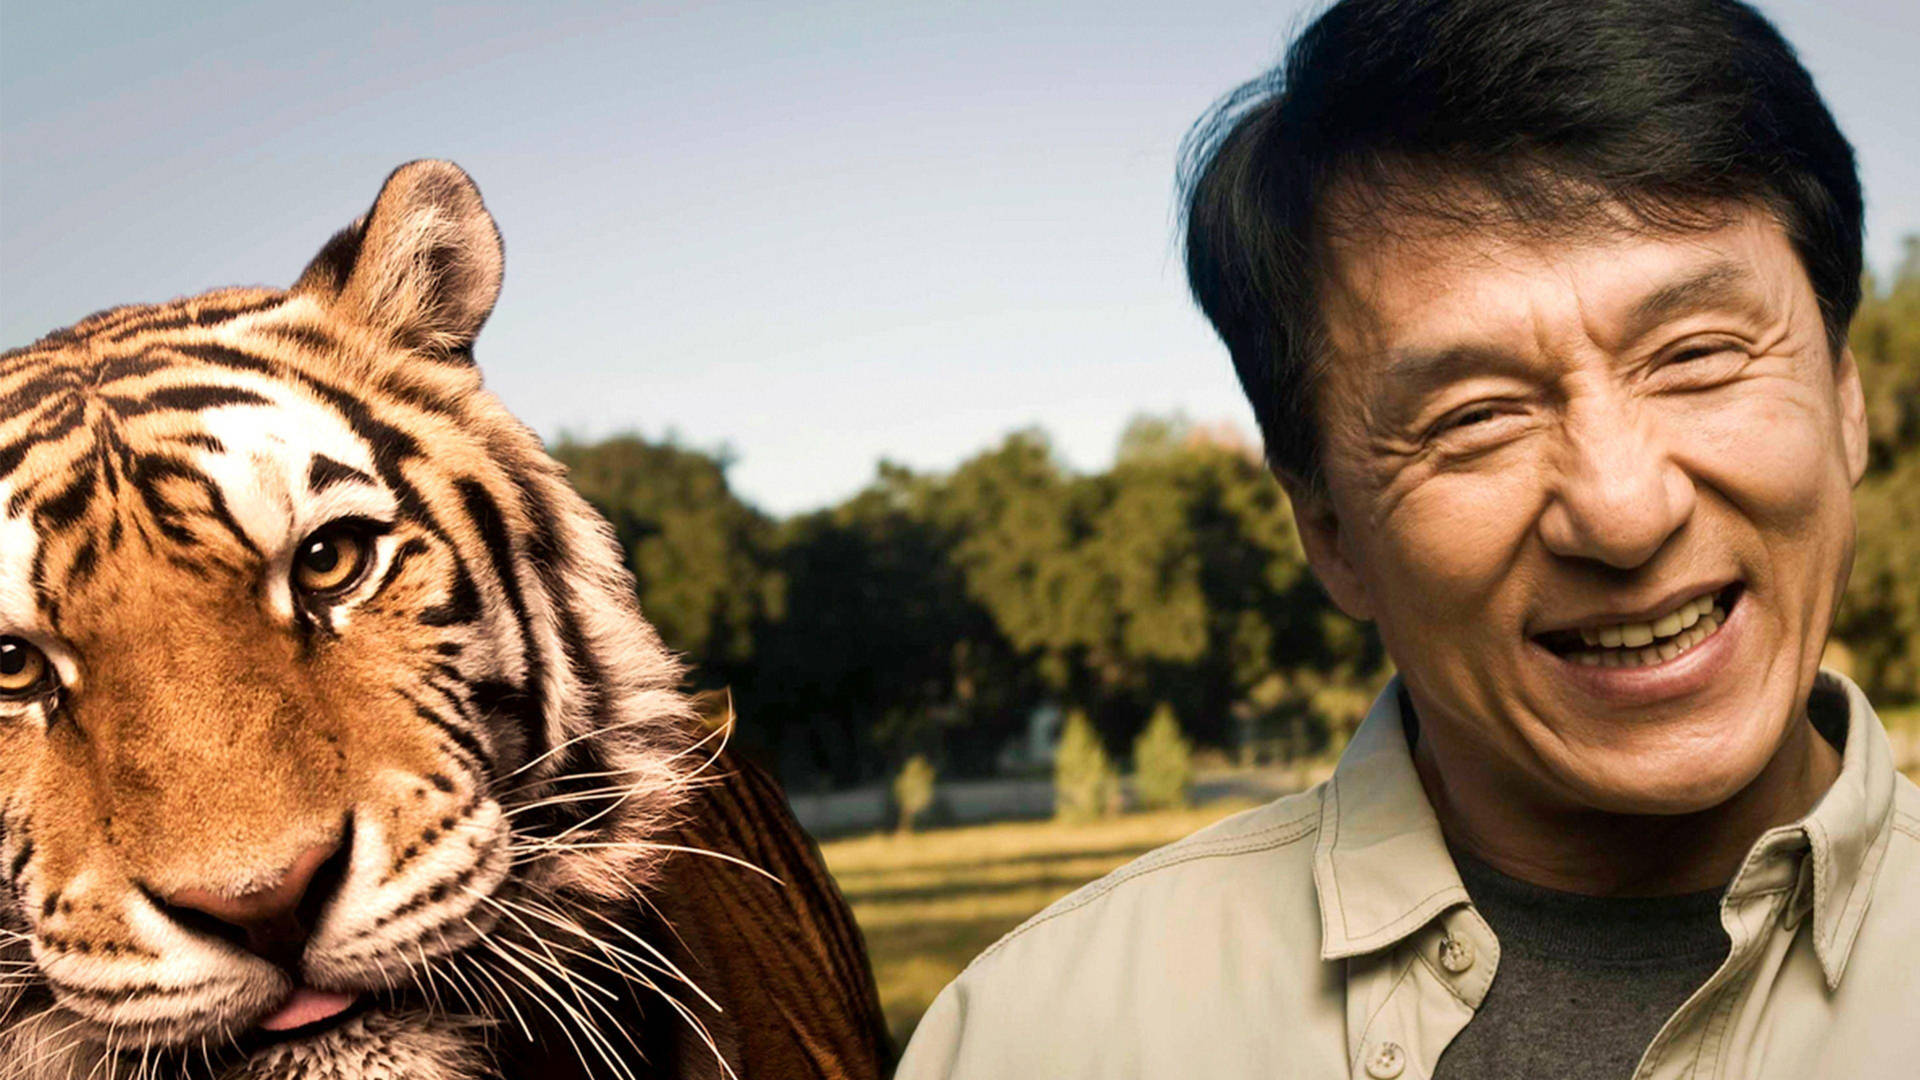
(930,902)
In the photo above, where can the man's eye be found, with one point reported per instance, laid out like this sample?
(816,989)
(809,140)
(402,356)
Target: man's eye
(1698,352)
(24,670)
(1700,365)
(1705,350)
(1471,416)
(1478,415)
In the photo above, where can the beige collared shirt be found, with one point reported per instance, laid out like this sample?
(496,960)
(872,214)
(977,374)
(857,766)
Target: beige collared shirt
(1328,935)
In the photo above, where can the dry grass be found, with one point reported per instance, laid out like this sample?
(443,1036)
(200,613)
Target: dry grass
(930,902)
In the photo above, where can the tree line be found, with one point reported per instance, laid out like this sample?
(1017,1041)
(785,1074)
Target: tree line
(933,614)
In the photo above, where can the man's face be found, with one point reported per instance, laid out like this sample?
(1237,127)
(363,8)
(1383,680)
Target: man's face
(1545,459)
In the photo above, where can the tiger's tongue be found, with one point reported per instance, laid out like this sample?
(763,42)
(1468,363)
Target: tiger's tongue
(307,1006)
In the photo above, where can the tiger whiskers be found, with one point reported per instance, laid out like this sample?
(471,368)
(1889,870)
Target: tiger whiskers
(623,791)
(44,1045)
(504,998)
(540,848)
(723,732)
(586,1027)
(526,852)
(427,984)
(481,995)
(549,911)
(648,783)
(508,909)
(568,976)
(574,983)
(589,998)
(632,784)
(628,972)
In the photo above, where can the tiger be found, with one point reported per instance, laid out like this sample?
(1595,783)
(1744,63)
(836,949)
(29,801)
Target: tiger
(334,744)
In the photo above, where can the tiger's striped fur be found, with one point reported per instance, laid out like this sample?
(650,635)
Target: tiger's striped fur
(483,731)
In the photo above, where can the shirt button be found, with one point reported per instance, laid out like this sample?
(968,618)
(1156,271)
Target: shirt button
(1387,1061)
(1456,954)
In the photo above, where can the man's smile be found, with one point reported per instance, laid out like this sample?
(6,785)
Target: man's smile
(1642,662)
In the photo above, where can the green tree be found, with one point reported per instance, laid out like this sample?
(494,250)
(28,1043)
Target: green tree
(1085,785)
(1200,592)
(703,559)
(933,613)
(861,669)
(1162,763)
(1880,621)
(1010,516)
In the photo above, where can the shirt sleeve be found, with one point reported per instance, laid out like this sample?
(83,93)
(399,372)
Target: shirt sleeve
(934,1051)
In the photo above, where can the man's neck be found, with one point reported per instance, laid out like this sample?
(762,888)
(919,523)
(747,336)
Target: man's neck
(1598,853)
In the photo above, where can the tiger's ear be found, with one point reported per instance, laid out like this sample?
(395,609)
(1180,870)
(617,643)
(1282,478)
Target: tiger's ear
(423,266)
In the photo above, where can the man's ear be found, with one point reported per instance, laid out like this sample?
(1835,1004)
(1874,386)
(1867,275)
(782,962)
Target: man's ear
(1321,539)
(1854,434)
(422,267)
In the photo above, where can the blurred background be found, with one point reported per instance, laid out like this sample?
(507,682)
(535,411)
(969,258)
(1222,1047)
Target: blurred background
(864,323)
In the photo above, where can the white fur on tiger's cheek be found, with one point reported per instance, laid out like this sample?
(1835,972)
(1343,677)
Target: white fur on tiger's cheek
(19,614)
(175,981)
(18,542)
(381,919)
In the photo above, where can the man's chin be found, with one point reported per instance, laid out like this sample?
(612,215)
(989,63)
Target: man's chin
(1652,776)
(1680,796)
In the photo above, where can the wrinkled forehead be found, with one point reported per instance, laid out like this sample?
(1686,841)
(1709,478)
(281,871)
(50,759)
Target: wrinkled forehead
(144,458)
(1417,301)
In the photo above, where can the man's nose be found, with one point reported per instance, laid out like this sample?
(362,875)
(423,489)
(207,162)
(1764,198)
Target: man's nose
(275,922)
(1617,493)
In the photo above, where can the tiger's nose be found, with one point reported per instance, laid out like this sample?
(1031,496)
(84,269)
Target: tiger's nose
(275,922)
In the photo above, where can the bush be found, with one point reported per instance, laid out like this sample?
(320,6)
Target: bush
(913,791)
(1085,784)
(1162,763)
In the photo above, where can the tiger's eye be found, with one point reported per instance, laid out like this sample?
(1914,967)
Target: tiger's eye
(331,561)
(23,668)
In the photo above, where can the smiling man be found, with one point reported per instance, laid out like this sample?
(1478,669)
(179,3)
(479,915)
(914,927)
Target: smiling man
(1543,308)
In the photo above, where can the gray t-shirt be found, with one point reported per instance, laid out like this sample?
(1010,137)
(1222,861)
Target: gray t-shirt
(1584,982)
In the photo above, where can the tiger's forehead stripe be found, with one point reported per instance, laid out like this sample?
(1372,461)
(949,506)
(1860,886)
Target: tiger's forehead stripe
(277,445)
(268,456)
(139,412)
(117,325)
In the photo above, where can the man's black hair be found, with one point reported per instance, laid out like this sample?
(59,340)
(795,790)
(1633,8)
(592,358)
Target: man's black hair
(1559,113)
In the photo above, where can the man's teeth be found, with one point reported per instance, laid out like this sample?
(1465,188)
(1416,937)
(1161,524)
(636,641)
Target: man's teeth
(1634,635)
(1639,644)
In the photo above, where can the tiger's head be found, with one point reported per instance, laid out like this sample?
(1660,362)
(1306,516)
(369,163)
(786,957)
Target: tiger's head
(316,677)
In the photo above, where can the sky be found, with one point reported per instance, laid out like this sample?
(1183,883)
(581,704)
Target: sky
(814,235)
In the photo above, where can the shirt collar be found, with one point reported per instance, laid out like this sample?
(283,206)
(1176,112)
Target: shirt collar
(1846,834)
(1380,864)
(1382,871)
